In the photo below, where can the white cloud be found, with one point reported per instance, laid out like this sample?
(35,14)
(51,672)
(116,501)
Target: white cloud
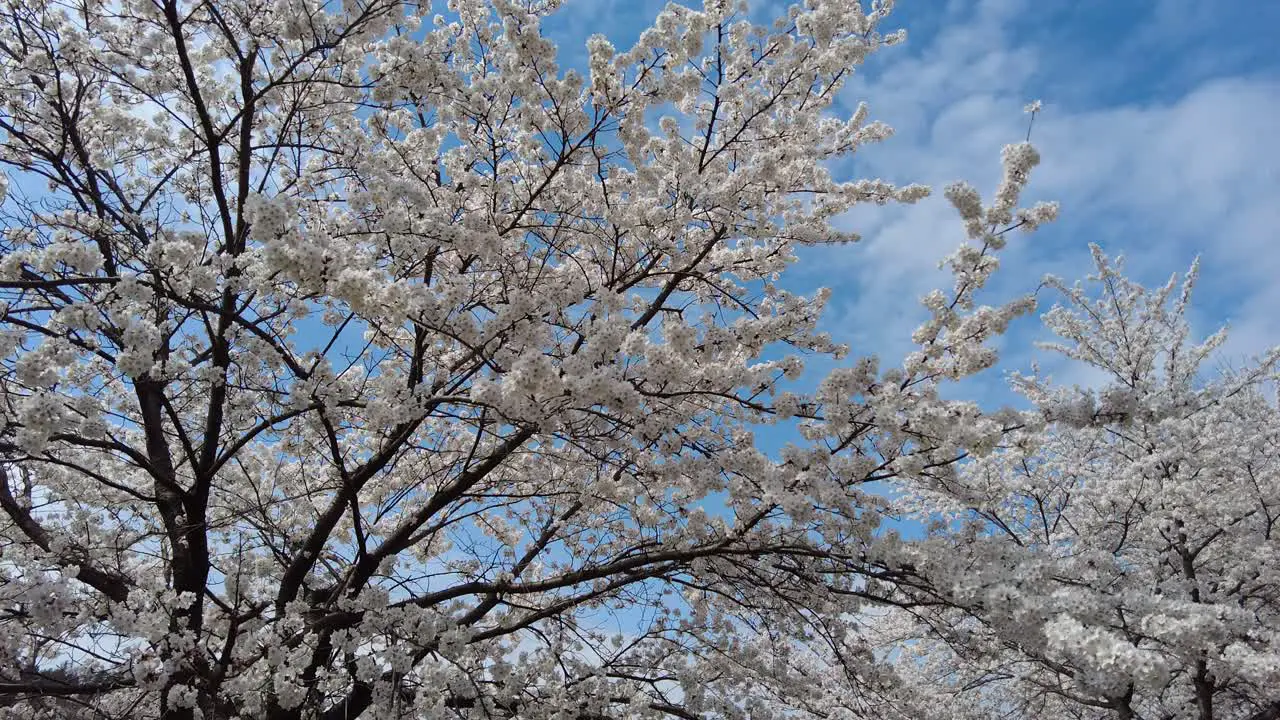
(1162,183)
(1157,181)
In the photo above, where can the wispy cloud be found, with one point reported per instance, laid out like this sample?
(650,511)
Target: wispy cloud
(1158,176)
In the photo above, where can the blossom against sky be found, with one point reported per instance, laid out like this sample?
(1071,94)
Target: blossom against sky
(1157,136)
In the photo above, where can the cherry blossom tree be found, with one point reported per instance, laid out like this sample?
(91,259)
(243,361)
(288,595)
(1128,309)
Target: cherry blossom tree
(1121,557)
(359,361)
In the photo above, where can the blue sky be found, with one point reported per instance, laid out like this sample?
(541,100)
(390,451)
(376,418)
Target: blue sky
(1159,138)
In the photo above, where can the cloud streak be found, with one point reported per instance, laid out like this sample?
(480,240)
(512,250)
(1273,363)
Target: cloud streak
(1160,177)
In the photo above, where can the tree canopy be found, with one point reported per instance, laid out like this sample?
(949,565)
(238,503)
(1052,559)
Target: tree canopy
(358,361)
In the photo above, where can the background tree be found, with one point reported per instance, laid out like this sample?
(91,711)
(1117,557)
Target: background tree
(360,363)
(1121,558)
